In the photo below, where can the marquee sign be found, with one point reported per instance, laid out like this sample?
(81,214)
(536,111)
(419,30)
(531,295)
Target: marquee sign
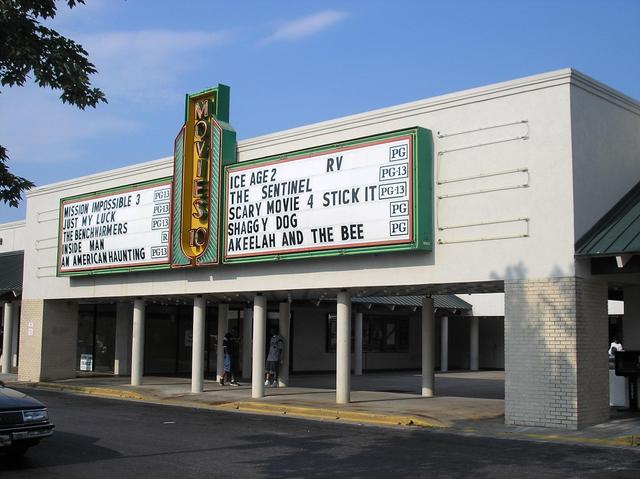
(115,230)
(204,144)
(353,197)
(367,195)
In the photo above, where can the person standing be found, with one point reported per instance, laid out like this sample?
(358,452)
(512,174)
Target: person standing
(274,359)
(228,347)
(615,347)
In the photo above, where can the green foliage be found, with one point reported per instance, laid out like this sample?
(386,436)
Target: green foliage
(29,50)
(11,186)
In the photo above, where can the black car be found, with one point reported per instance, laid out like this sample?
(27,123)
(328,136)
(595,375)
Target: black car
(23,421)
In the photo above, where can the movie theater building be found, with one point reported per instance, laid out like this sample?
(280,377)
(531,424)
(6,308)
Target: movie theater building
(356,234)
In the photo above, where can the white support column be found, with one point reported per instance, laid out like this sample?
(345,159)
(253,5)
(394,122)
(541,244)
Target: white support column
(197,345)
(7,337)
(358,345)
(285,329)
(137,347)
(444,344)
(474,344)
(259,340)
(247,333)
(428,350)
(122,356)
(223,311)
(343,348)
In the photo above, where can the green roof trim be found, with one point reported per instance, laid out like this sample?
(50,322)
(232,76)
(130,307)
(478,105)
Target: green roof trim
(11,268)
(617,232)
(442,301)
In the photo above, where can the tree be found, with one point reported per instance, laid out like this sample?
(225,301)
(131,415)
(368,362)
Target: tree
(28,50)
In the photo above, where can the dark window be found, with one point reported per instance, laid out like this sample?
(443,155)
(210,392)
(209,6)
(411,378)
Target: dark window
(380,334)
(615,328)
(385,334)
(331,333)
(96,337)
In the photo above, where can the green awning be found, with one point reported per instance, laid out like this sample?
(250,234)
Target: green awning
(617,232)
(11,272)
(442,301)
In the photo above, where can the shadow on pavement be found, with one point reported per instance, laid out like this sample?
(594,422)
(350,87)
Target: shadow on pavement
(63,448)
(422,455)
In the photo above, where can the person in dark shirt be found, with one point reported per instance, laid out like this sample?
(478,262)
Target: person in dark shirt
(229,356)
(274,359)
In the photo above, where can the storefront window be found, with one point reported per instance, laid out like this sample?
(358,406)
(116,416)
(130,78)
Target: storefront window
(184,338)
(380,334)
(96,337)
(169,338)
(161,339)
(211,346)
(84,361)
(385,334)
(331,333)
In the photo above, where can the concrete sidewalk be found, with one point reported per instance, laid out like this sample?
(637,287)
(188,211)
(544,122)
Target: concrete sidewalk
(467,402)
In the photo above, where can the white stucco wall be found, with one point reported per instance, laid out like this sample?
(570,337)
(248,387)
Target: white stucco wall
(492,304)
(519,132)
(485,304)
(12,235)
(605,131)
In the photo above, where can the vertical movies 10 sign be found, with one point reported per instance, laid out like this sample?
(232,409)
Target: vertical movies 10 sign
(205,143)
(367,195)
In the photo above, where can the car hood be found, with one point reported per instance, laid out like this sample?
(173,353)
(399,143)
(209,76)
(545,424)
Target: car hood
(11,399)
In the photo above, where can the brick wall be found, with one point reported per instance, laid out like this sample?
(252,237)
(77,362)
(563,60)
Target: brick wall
(555,352)
(593,343)
(30,339)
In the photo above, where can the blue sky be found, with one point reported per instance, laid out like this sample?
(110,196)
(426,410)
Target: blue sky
(291,63)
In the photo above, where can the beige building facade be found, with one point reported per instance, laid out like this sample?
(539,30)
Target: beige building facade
(520,171)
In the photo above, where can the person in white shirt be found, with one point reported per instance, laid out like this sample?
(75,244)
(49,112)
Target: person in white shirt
(615,347)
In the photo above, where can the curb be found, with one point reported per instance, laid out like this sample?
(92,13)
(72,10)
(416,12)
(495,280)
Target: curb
(258,407)
(627,441)
(95,391)
(334,414)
